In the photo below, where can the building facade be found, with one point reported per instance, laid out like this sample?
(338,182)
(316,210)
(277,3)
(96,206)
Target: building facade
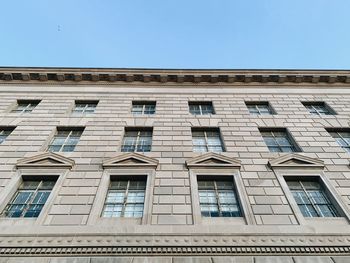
(137,165)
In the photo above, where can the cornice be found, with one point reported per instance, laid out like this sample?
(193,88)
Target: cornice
(95,75)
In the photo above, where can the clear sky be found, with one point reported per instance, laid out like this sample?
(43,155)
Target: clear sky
(241,34)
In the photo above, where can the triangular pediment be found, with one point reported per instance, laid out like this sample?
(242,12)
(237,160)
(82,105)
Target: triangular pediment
(213,160)
(130,160)
(45,160)
(296,161)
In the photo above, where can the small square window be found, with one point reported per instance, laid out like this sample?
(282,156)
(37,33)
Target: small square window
(312,198)
(342,137)
(30,198)
(218,198)
(318,108)
(260,108)
(137,140)
(65,139)
(279,140)
(82,107)
(207,140)
(4,132)
(201,107)
(143,107)
(125,198)
(24,106)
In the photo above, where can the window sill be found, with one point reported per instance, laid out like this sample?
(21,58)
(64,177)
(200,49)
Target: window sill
(223,221)
(120,220)
(326,220)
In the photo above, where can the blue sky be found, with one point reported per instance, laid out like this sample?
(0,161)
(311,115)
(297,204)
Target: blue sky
(241,34)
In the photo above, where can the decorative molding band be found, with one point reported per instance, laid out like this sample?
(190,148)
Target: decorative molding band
(171,240)
(173,76)
(180,250)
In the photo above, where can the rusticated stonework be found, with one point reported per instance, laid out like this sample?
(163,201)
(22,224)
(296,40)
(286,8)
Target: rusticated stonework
(70,227)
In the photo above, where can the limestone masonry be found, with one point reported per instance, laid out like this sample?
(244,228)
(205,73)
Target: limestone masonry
(170,166)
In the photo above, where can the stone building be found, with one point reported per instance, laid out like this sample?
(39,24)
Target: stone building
(170,166)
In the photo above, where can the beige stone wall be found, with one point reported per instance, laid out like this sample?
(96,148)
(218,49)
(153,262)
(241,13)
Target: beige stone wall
(71,207)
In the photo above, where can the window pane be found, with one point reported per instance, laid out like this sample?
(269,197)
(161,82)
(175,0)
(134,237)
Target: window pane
(139,108)
(218,198)
(127,201)
(29,200)
(259,108)
(65,140)
(312,199)
(195,110)
(278,141)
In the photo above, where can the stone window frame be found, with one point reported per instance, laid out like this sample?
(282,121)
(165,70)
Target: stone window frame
(239,190)
(100,197)
(229,168)
(313,169)
(30,172)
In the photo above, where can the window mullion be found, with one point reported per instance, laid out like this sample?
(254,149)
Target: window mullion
(278,145)
(339,134)
(257,108)
(137,140)
(64,143)
(85,107)
(310,199)
(26,108)
(25,209)
(206,140)
(125,197)
(217,198)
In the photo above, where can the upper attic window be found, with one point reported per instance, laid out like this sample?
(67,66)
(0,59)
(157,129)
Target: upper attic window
(318,108)
(201,107)
(25,106)
(85,107)
(260,108)
(143,107)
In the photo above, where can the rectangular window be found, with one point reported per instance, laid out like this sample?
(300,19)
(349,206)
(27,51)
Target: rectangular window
(312,198)
(4,132)
(318,108)
(342,137)
(201,107)
(24,106)
(65,139)
(30,198)
(85,107)
(125,198)
(143,107)
(137,140)
(259,108)
(207,140)
(279,140)
(218,198)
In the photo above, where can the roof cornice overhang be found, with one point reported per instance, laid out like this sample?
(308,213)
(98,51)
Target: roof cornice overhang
(106,75)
